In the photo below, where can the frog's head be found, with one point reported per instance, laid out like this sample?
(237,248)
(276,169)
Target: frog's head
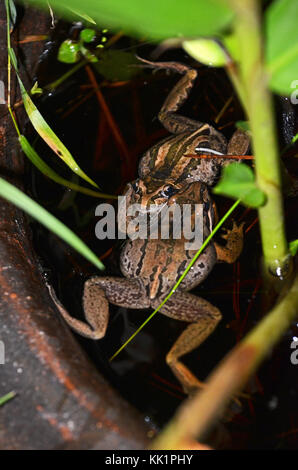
(152,197)
(154,192)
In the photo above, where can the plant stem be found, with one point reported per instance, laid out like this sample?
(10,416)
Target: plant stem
(195,416)
(7,397)
(260,112)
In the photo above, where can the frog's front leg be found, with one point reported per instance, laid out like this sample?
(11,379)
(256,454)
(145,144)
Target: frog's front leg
(203,317)
(239,143)
(98,292)
(175,123)
(233,248)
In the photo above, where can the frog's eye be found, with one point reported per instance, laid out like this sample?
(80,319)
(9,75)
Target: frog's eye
(168,191)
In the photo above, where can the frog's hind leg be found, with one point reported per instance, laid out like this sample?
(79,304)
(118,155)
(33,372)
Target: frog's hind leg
(97,316)
(98,292)
(204,317)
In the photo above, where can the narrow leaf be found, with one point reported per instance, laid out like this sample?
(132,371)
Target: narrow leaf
(12,14)
(24,202)
(83,15)
(47,171)
(44,130)
(9,396)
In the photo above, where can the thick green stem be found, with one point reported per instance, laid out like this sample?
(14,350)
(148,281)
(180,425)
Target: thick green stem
(260,112)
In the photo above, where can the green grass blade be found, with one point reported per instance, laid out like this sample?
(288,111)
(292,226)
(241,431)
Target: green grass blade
(46,133)
(9,396)
(47,171)
(38,122)
(21,200)
(81,14)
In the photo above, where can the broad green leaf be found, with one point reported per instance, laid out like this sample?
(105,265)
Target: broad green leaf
(156,19)
(282,45)
(294,247)
(44,130)
(24,202)
(117,65)
(69,52)
(5,398)
(238,182)
(87,35)
(47,171)
(206,51)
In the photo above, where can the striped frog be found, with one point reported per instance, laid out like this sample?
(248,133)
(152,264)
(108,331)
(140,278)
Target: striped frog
(151,267)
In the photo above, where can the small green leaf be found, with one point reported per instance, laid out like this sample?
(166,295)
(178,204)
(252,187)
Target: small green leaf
(9,396)
(117,65)
(69,52)
(243,126)
(206,51)
(295,138)
(293,247)
(21,200)
(282,45)
(35,90)
(238,182)
(87,35)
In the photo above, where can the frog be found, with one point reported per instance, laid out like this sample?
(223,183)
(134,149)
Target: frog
(151,267)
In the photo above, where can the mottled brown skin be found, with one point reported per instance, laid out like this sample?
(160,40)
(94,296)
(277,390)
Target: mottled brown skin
(152,267)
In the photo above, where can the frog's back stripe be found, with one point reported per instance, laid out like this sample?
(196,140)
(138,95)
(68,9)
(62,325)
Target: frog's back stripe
(168,157)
